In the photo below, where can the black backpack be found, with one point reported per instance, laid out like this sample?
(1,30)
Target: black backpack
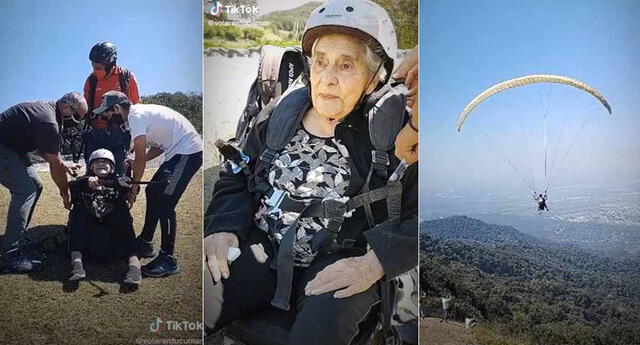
(125,78)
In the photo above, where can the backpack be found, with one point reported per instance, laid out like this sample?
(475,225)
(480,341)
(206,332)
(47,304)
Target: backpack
(385,110)
(125,77)
(278,69)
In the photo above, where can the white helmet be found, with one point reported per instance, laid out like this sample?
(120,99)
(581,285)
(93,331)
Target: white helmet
(104,154)
(361,18)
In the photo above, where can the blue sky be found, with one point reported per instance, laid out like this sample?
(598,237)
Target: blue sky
(45,45)
(467,46)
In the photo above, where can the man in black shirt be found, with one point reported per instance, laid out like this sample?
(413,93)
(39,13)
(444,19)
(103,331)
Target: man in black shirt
(24,128)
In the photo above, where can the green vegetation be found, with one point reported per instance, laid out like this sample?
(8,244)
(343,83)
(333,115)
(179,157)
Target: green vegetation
(187,104)
(285,27)
(525,291)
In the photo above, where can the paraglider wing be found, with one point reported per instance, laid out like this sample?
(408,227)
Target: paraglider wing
(530,79)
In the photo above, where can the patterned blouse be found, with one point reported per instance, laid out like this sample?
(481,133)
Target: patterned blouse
(309,168)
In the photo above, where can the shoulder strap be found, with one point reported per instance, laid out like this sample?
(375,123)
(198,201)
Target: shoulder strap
(125,76)
(283,122)
(93,81)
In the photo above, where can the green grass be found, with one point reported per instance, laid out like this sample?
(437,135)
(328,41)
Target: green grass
(42,308)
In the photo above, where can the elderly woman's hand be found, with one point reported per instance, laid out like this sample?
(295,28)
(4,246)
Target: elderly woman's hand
(216,250)
(352,275)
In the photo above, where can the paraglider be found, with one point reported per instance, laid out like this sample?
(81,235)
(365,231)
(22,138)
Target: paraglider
(541,199)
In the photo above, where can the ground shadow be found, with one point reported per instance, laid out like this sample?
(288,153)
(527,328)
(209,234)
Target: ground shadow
(48,243)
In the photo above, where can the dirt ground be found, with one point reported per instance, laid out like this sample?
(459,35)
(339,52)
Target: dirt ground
(433,332)
(43,308)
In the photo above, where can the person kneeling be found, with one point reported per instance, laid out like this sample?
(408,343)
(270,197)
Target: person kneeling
(100,223)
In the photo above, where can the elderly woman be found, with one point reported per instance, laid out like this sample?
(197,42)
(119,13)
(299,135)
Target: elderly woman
(283,261)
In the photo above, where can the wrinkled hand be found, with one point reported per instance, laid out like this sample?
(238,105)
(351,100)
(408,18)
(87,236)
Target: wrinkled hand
(94,183)
(352,275)
(66,200)
(216,250)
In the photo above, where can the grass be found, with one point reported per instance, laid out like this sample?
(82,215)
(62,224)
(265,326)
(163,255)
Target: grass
(43,308)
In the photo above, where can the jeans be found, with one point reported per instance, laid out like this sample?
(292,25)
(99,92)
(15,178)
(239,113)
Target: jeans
(21,178)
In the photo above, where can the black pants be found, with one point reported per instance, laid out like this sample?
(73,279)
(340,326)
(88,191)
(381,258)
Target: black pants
(162,198)
(320,319)
(105,239)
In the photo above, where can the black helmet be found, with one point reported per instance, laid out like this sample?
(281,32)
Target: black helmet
(104,53)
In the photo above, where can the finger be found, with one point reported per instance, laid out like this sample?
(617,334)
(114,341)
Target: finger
(348,292)
(321,278)
(329,286)
(212,263)
(412,76)
(259,253)
(221,253)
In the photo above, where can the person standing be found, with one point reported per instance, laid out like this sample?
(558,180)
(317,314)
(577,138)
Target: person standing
(106,76)
(166,131)
(446,302)
(26,127)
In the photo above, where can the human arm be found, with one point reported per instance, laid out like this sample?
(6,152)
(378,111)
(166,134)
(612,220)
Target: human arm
(138,166)
(153,153)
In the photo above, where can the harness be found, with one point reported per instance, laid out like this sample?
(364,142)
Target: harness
(386,114)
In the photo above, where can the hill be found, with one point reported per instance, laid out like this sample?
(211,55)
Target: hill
(526,290)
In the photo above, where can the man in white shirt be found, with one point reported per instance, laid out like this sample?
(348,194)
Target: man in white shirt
(161,130)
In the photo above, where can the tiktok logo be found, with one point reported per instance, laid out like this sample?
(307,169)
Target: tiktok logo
(216,9)
(154,326)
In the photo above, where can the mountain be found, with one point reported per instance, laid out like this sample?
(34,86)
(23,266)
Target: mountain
(466,228)
(527,290)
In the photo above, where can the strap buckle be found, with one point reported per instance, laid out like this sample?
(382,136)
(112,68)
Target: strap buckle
(275,199)
(379,157)
(334,208)
(268,155)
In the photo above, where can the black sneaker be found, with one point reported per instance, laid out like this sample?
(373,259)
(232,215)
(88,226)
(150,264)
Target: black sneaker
(17,262)
(143,249)
(162,266)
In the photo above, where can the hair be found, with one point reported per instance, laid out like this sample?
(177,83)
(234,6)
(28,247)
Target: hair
(74,100)
(372,56)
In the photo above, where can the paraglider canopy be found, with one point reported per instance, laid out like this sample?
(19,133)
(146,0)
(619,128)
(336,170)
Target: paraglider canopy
(529,79)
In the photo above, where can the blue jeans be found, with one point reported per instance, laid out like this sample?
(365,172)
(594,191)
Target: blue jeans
(21,178)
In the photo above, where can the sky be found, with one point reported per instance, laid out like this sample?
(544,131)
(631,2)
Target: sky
(45,45)
(468,46)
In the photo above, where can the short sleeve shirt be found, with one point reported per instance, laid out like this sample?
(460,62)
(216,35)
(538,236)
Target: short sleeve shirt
(30,126)
(165,129)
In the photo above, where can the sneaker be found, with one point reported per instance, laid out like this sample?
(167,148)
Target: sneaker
(134,275)
(162,266)
(17,262)
(77,272)
(143,249)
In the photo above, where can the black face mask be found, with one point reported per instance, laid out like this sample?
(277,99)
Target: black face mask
(68,123)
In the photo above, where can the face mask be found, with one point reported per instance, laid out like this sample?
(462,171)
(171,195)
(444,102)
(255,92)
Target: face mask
(100,74)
